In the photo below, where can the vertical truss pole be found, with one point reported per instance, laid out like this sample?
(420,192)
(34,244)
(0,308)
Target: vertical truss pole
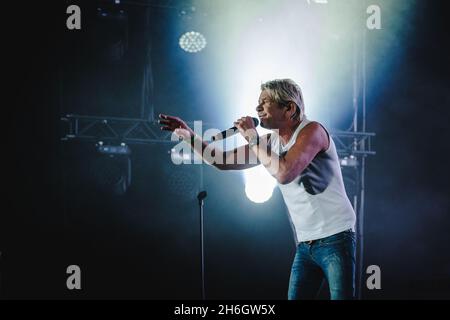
(147,94)
(363,164)
(358,170)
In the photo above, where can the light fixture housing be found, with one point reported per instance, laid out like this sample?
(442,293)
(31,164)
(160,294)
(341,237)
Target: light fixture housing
(192,42)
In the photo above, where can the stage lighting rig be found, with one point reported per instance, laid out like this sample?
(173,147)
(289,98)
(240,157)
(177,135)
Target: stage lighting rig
(111,169)
(121,149)
(350,161)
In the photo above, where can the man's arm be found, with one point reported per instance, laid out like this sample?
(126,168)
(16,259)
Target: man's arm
(240,158)
(233,159)
(310,141)
(227,160)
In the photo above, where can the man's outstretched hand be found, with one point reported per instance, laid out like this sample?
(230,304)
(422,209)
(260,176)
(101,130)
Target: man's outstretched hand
(176,125)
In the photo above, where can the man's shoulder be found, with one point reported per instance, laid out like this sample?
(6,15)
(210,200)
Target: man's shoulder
(316,133)
(312,127)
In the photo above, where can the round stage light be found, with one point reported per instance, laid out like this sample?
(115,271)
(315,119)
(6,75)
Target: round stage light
(257,193)
(259,184)
(192,42)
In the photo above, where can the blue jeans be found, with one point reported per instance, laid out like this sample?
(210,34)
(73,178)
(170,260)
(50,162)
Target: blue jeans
(331,258)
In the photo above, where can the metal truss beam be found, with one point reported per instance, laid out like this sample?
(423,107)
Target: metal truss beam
(132,131)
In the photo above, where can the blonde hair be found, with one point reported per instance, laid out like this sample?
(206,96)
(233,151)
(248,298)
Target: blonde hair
(283,91)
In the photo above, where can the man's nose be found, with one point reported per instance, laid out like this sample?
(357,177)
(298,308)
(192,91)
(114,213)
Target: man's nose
(259,107)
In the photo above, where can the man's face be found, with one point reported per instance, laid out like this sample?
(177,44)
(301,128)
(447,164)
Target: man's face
(270,113)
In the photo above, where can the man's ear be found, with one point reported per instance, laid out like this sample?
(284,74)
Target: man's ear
(292,108)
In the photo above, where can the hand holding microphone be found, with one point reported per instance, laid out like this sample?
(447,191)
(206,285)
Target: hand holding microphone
(245,125)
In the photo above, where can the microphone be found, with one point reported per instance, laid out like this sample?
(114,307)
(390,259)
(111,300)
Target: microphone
(230,132)
(202,195)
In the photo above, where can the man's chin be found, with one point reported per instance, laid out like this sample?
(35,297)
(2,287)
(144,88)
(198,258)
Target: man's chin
(264,125)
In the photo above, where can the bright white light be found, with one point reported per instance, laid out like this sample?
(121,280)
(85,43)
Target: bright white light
(283,39)
(259,184)
(311,44)
(192,42)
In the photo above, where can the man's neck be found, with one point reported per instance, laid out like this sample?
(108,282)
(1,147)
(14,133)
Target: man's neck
(286,132)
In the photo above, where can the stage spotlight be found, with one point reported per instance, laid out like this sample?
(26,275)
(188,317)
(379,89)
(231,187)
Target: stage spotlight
(259,184)
(121,149)
(192,42)
(350,161)
(111,169)
(258,193)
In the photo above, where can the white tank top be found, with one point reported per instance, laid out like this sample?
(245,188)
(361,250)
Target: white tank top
(316,200)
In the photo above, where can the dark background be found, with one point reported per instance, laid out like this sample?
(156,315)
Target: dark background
(144,244)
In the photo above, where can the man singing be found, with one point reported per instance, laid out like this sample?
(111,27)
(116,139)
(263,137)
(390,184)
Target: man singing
(301,155)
